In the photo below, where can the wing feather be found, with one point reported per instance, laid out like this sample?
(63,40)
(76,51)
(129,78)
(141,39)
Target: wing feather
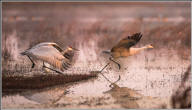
(128,41)
(50,55)
(57,47)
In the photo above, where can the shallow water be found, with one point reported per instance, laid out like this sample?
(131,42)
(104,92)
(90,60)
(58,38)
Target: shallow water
(154,81)
(147,79)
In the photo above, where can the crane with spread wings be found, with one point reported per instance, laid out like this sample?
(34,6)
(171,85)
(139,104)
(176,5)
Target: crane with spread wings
(52,54)
(124,48)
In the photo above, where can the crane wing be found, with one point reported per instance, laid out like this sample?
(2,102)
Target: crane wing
(128,41)
(50,55)
(57,47)
(71,55)
(48,44)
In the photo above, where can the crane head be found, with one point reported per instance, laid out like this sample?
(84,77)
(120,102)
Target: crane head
(71,48)
(150,46)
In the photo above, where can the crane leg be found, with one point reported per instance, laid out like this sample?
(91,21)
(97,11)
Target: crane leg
(110,58)
(104,67)
(112,83)
(109,63)
(33,64)
(52,69)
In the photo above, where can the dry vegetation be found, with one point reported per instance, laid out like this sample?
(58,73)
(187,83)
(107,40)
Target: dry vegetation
(182,97)
(91,30)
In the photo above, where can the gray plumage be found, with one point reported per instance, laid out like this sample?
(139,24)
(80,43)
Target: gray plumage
(52,54)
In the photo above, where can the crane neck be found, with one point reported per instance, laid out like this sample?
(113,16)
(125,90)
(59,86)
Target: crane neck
(137,50)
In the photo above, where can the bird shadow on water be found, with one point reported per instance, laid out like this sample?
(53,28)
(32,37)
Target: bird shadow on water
(46,96)
(130,98)
(124,96)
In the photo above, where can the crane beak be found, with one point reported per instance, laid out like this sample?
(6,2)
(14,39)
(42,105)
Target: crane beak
(71,48)
(151,46)
(75,49)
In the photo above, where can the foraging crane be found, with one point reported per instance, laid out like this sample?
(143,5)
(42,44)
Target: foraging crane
(52,54)
(124,48)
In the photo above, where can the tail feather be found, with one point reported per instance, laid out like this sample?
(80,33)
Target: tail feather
(71,55)
(66,65)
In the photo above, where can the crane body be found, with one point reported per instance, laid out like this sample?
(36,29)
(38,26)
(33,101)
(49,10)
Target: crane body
(52,54)
(124,48)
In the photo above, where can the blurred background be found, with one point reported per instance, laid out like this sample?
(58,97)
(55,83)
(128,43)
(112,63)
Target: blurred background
(164,24)
(96,26)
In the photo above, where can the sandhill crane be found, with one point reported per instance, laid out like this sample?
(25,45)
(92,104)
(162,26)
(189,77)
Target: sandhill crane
(52,54)
(124,48)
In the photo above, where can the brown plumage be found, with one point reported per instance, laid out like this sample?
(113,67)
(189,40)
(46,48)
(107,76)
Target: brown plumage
(127,42)
(52,54)
(124,47)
